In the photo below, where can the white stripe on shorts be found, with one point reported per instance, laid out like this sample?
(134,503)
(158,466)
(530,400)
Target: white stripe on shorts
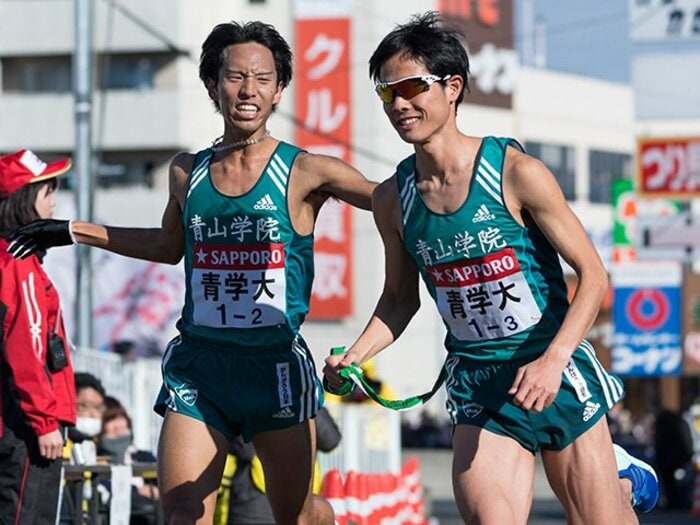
(176,341)
(611,385)
(451,406)
(307,381)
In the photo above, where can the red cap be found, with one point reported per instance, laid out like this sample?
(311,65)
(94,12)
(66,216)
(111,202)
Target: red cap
(23,167)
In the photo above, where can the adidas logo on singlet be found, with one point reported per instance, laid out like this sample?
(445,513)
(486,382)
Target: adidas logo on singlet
(590,410)
(265,203)
(483,214)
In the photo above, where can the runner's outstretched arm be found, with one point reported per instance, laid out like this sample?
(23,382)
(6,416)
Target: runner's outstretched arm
(164,244)
(399,300)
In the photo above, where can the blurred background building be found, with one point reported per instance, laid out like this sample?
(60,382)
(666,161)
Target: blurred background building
(149,103)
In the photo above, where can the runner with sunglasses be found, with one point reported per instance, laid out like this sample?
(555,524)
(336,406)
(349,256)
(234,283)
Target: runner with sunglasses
(483,224)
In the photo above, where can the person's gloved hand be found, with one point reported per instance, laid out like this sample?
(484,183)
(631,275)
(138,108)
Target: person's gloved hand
(39,236)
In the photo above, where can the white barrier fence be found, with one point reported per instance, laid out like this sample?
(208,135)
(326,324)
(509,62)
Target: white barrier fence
(371,435)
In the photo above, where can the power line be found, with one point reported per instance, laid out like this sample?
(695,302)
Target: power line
(587,23)
(295,120)
(147,27)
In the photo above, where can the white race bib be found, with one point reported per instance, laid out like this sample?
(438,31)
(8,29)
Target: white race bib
(240,286)
(485,297)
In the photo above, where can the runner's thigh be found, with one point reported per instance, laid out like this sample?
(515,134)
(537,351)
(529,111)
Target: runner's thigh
(191,459)
(492,476)
(584,477)
(287,456)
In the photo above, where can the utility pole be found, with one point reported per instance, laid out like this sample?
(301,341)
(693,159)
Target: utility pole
(82,70)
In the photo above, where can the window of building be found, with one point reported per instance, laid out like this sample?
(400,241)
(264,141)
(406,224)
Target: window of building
(120,169)
(123,169)
(54,74)
(37,74)
(135,71)
(560,161)
(605,167)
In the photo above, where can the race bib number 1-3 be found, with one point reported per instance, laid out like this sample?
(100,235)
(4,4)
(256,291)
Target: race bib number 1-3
(239,286)
(485,297)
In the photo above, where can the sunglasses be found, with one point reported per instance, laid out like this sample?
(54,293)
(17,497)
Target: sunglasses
(407,87)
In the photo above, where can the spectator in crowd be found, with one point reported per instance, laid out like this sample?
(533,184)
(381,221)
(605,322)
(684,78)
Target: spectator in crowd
(621,425)
(146,347)
(81,445)
(426,432)
(673,446)
(116,443)
(36,374)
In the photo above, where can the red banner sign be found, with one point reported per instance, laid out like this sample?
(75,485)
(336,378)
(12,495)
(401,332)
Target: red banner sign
(669,167)
(322,65)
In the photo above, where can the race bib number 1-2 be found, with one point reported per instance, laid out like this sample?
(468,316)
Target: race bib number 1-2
(239,286)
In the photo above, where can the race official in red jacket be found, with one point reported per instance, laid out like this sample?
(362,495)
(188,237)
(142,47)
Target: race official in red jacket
(36,376)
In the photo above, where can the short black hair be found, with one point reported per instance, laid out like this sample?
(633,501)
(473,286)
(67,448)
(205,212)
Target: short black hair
(425,39)
(18,208)
(87,380)
(230,33)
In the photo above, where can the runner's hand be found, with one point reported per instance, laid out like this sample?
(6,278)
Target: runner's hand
(39,236)
(331,371)
(537,383)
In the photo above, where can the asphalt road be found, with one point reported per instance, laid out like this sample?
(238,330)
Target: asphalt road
(549,512)
(546,509)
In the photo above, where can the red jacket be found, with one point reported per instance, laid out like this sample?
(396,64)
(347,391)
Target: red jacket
(29,310)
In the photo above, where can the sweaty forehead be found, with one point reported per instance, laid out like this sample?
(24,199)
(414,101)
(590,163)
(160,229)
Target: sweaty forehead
(249,57)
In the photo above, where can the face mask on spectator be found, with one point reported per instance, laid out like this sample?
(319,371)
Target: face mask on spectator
(116,446)
(90,426)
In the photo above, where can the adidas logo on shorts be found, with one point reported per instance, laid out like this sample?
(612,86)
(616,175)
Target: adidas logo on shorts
(265,203)
(590,410)
(483,214)
(285,413)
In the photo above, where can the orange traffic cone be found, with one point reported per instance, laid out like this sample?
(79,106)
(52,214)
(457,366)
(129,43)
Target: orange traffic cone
(410,473)
(395,497)
(332,489)
(357,498)
(377,499)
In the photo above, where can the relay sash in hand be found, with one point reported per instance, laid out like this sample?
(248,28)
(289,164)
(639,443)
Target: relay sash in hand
(354,377)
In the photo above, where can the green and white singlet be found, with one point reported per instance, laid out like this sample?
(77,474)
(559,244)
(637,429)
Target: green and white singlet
(248,273)
(498,285)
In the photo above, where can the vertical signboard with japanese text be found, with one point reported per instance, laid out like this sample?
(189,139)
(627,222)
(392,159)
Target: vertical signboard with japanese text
(647,319)
(493,61)
(322,105)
